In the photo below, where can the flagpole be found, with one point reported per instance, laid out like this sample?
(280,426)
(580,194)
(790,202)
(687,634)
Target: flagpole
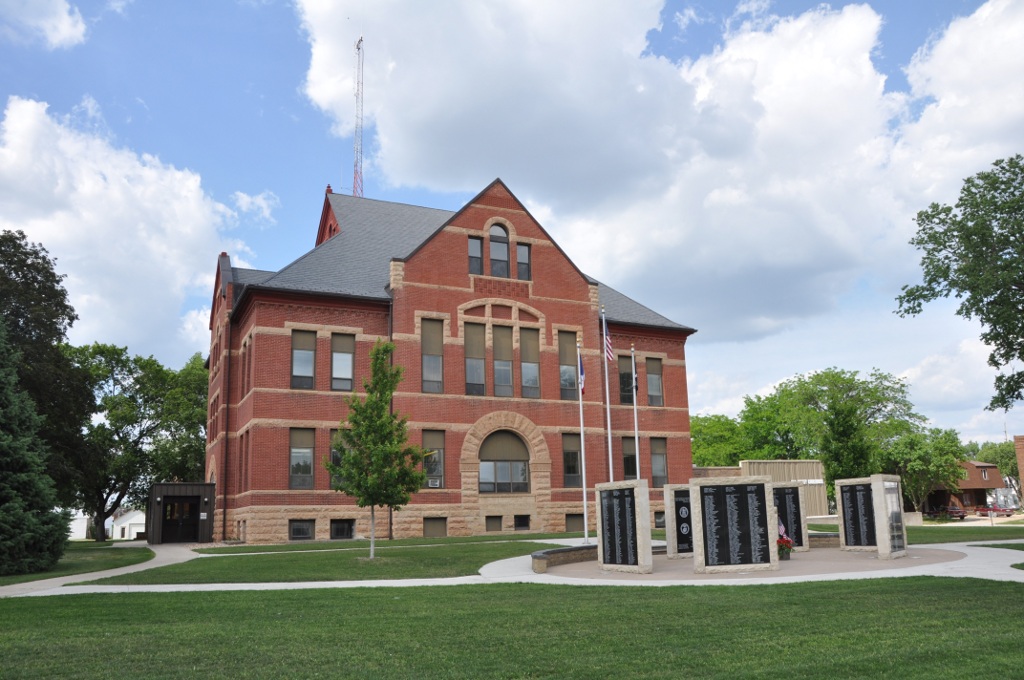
(636,396)
(583,444)
(610,356)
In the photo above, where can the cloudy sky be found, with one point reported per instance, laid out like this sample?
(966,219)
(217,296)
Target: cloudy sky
(750,169)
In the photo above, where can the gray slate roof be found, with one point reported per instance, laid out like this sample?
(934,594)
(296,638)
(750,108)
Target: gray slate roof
(357,262)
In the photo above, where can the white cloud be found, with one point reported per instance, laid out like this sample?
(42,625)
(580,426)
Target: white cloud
(754,192)
(261,205)
(134,236)
(57,23)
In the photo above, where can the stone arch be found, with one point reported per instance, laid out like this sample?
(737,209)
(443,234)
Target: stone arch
(531,434)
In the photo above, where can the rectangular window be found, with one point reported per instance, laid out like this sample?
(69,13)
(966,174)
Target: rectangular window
(303,359)
(654,394)
(432,349)
(301,459)
(659,462)
(625,380)
(475,346)
(301,529)
(629,458)
(493,523)
(574,523)
(523,262)
(343,529)
(529,355)
(343,350)
(502,361)
(433,462)
(504,476)
(521,522)
(499,257)
(571,460)
(335,457)
(476,255)
(567,364)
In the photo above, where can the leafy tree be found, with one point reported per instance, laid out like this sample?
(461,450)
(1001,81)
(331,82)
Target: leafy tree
(793,421)
(116,456)
(846,451)
(32,533)
(34,306)
(1002,454)
(179,446)
(716,441)
(376,467)
(975,252)
(925,461)
(770,427)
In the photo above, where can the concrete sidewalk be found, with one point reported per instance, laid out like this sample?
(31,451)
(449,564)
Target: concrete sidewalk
(963,560)
(168,553)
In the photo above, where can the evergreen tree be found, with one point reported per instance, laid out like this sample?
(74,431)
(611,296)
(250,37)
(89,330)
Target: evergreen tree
(375,466)
(33,533)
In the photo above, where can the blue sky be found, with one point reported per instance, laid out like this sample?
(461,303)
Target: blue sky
(750,169)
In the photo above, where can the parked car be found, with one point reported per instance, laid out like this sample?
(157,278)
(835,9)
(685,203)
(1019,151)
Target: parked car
(996,510)
(946,511)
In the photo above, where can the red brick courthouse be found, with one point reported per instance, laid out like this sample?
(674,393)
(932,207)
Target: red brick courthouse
(485,311)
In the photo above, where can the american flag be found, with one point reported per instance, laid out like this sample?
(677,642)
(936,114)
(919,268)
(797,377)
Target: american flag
(583,376)
(608,351)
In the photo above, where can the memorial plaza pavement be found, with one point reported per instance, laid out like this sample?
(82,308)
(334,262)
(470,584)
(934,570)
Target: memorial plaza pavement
(965,560)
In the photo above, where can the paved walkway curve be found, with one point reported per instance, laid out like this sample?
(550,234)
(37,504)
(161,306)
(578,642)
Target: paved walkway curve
(965,560)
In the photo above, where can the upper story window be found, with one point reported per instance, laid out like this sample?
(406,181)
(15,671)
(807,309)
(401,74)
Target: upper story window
(567,364)
(499,251)
(476,255)
(476,352)
(529,355)
(654,386)
(522,262)
(629,463)
(303,358)
(432,349)
(343,349)
(625,380)
(502,361)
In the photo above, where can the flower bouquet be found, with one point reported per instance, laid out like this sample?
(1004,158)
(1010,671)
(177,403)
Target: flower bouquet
(785,546)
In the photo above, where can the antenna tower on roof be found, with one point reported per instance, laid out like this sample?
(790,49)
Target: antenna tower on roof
(357,163)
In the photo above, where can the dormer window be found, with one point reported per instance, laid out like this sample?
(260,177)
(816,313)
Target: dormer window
(499,251)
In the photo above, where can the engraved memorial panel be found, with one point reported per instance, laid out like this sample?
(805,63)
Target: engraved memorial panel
(683,521)
(735,524)
(618,528)
(858,515)
(787,501)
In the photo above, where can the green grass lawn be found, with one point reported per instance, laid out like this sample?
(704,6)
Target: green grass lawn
(306,546)
(901,628)
(949,533)
(391,562)
(82,557)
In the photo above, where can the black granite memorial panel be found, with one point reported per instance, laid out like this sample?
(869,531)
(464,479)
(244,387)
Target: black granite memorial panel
(735,524)
(858,515)
(618,527)
(787,500)
(684,521)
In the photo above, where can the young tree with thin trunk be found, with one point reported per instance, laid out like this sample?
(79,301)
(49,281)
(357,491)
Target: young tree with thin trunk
(376,466)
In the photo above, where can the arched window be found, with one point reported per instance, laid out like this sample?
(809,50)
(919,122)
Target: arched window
(504,464)
(499,251)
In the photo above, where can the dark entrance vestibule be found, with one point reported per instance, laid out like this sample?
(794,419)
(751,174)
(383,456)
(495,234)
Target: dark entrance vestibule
(180,513)
(180,522)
